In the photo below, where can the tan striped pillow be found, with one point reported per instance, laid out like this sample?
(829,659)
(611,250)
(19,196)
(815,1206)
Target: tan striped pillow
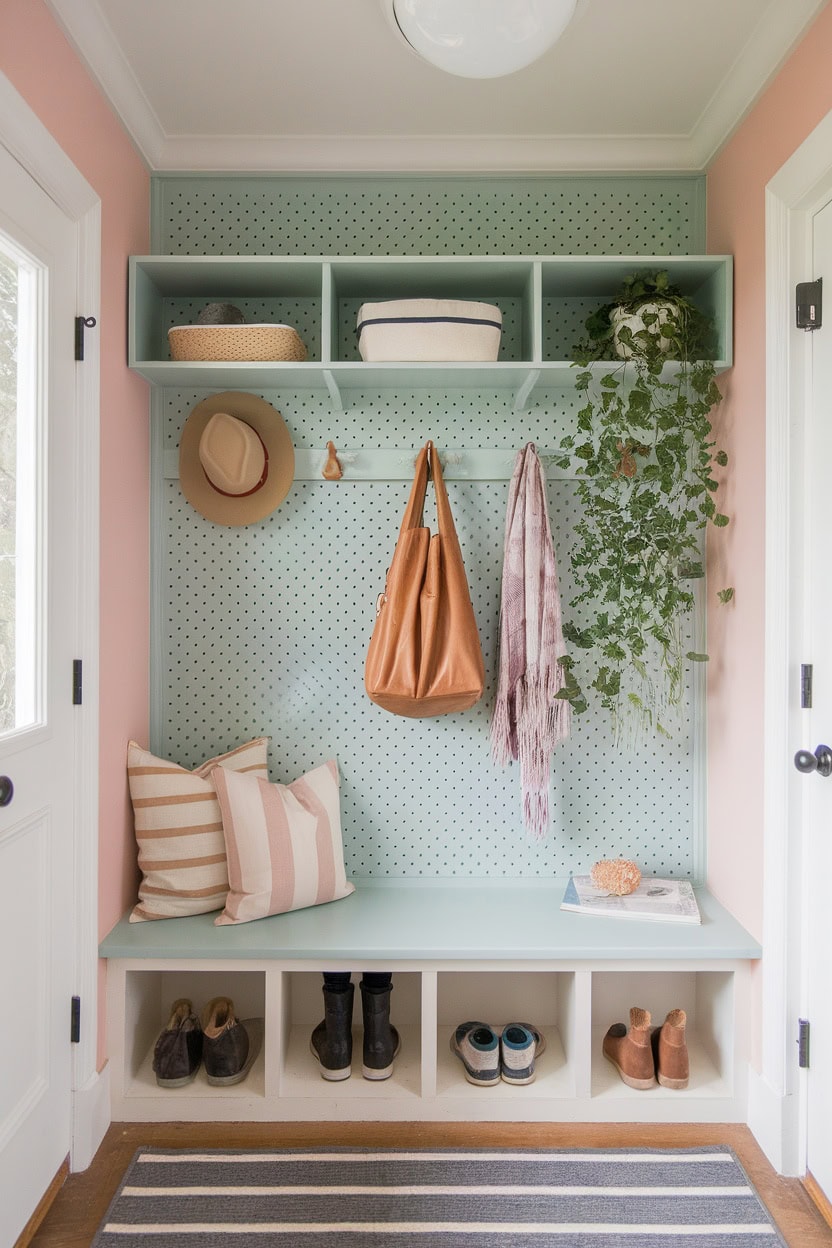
(179,830)
(283,841)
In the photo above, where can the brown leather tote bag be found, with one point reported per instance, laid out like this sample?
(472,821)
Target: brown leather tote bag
(425,656)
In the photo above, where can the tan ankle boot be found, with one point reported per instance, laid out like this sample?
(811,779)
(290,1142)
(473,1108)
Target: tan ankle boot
(630,1052)
(670,1051)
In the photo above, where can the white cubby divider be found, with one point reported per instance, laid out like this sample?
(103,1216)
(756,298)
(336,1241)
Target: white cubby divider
(565,973)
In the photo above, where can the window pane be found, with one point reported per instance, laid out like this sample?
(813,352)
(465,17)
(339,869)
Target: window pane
(19,631)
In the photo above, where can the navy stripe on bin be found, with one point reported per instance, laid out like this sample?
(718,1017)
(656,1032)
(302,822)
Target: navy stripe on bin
(426,320)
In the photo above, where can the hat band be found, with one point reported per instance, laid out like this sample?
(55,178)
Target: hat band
(254,488)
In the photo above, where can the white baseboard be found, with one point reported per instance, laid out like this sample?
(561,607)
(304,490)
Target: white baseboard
(90,1119)
(772,1119)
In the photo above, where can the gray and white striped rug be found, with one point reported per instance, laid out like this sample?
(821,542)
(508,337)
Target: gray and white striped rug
(442,1198)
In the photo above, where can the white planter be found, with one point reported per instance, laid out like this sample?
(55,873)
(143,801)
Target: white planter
(634,321)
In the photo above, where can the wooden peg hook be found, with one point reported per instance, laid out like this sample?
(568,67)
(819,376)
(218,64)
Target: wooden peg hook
(332,468)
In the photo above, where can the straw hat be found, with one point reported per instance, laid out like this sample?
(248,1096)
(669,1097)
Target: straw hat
(236,460)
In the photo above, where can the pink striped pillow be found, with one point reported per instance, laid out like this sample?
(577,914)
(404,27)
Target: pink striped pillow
(283,843)
(179,830)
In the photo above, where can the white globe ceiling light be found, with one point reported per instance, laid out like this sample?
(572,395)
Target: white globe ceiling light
(481,38)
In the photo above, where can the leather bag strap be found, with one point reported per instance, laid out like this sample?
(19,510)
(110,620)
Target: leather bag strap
(428,465)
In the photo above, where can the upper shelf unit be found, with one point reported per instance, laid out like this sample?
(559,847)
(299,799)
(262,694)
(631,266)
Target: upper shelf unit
(544,301)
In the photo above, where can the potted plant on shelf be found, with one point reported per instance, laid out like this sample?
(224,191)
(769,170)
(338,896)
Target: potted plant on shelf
(646,457)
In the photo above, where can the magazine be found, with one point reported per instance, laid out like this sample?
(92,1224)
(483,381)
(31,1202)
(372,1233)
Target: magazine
(665,901)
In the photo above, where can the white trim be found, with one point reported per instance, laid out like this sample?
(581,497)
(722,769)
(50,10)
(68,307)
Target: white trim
(90,1119)
(770,1116)
(773,39)
(799,183)
(427,153)
(777,31)
(38,152)
(91,35)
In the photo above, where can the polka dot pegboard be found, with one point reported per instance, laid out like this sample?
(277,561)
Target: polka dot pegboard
(648,215)
(264,629)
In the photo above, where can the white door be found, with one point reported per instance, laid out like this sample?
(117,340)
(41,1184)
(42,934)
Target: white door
(38,631)
(817,787)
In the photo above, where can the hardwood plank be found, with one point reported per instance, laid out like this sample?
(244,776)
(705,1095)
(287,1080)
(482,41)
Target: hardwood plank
(84,1198)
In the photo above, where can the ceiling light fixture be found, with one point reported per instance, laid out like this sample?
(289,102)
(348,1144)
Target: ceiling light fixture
(481,38)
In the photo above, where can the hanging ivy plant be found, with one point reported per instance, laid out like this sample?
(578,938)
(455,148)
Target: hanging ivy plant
(646,486)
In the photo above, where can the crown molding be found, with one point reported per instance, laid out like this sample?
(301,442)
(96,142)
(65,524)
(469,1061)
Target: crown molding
(775,35)
(91,35)
(768,47)
(424,154)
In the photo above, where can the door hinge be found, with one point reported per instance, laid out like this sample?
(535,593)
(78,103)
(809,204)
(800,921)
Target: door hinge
(803,1043)
(809,304)
(77,682)
(75,1021)
(806,674)
(82,323)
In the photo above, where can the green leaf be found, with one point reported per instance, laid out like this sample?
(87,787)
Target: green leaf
(721,458)
(725,595)
(720,521)
(697,658)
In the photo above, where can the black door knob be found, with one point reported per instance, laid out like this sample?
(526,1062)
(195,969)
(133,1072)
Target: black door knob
(820,761)
(6,790)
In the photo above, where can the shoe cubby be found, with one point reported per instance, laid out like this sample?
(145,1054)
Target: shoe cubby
(708,999)
(148,996)
(302,1010)
(454,962)
(547,999)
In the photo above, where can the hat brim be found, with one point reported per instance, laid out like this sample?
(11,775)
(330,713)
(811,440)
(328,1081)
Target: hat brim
(273,431)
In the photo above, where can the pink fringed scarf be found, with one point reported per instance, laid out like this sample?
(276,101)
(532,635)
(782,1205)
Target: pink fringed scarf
(529,721)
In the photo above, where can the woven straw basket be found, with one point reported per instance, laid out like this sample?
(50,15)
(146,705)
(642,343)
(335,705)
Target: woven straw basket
(235,342)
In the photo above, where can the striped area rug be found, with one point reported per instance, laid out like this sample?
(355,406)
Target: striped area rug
(438,1198)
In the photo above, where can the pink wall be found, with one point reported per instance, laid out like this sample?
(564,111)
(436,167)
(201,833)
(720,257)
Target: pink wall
(39,62)
(798,98)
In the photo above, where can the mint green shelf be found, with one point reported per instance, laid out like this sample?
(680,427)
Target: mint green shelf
(441,920)
(535,293)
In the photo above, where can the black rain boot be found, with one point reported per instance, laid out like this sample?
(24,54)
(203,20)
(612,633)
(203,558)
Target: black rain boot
(381,1040)
(331,1041)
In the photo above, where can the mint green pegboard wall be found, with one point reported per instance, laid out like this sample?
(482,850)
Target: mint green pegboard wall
(399,216)
(263,629)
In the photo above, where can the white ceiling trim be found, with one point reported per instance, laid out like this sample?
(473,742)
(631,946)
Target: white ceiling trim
(424,154)
(89,32)
(769,46)
(91,35)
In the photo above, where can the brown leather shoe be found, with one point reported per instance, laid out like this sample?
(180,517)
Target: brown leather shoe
(670,1051)
(630,1053)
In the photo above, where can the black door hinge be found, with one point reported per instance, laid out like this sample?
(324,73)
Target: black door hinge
(77,682)
(806,674)
(75,1021)
(809,304)
(803,1043)
(82,323)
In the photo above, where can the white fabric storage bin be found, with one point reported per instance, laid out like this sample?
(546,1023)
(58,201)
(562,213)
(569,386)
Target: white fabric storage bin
(440,330)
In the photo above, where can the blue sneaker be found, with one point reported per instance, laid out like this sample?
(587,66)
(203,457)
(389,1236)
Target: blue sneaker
(478,1048)
(520,1044)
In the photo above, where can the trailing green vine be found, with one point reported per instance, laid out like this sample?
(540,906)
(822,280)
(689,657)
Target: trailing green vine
(646,459)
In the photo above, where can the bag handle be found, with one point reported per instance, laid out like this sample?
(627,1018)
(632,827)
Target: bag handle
(427,464)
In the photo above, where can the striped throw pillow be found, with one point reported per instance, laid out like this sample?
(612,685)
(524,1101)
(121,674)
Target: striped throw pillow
(179,830)
(283,842)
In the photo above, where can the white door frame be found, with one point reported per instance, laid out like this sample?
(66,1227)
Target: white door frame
(25,136)
(777,1095)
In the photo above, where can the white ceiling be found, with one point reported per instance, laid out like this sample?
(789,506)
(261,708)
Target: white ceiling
(328,85)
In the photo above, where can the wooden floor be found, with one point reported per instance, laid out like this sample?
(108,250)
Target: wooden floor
(81,1203)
